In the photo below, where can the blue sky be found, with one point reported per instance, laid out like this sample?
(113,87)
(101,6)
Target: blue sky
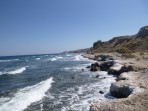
(50,26)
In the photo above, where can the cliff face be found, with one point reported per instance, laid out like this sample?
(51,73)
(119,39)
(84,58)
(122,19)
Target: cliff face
(137,42)
(143,32)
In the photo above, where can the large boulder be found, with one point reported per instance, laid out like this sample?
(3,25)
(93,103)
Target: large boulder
(117,69)
(94,67)
(126,68)
(106,65)
(124,76)
(121,90)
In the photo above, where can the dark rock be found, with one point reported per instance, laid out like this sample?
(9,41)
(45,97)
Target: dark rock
(126,69)
(120,91)
(82,69)
(97,76)
(137,59)
(123,78)
(72,77)
(110,58)
(96,64)
(106,65)
(99,42)
(94,67)
(88,66)
(101,92)
(113,71)
(143,32)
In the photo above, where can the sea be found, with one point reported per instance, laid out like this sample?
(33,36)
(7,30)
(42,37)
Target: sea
(50,82)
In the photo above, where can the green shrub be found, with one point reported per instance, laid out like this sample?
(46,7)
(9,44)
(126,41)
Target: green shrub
(128,55)
(123,50)
(99,42)
(132,45)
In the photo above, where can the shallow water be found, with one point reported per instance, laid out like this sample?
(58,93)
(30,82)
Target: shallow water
(50,83)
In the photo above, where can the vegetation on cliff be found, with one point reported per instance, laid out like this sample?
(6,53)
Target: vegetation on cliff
(123,44)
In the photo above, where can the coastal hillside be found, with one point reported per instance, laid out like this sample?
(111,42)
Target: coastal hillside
(123,44)
(77,51)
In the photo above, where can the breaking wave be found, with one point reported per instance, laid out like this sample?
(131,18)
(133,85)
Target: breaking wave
(80,58)
(53,59)
(9,60)
(17,71)
(24,97)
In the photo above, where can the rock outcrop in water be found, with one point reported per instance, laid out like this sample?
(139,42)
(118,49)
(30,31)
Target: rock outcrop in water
(106,65)
(101,67)
(94,67)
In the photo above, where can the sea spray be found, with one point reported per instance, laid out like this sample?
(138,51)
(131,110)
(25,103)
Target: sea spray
(16,71)
(24,97)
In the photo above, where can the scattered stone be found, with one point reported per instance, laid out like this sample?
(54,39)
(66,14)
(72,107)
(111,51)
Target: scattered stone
(110,58)
(123,78)
(101,92)
(97,76)
(137,59)
(145,57)
(72,77)
(88,66)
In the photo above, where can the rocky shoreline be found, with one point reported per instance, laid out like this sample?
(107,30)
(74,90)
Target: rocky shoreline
(131,86)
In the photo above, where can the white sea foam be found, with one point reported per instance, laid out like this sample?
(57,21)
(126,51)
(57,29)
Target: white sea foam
(77,68)
(53,59)
(81,58)
(59,57)
(24,97)
(17,71)
(68,55)
(9,60)
(1,73)
(56,58)
(78,57)
(38,58)
(82,96)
